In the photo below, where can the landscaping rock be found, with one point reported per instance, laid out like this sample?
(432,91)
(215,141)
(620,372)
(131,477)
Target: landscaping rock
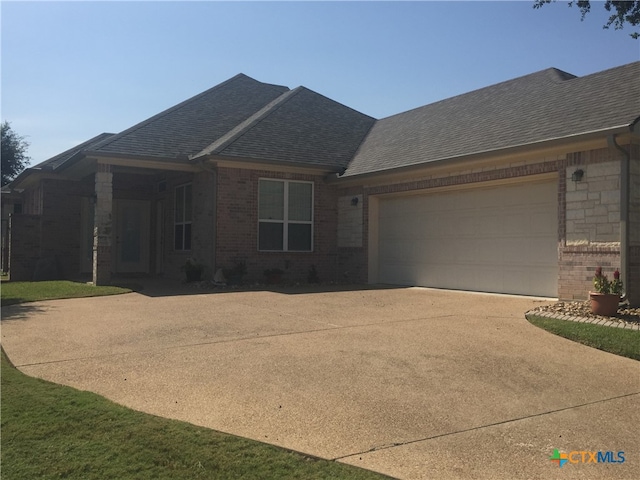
(583,309)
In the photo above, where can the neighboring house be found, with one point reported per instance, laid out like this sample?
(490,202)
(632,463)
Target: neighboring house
(522,187)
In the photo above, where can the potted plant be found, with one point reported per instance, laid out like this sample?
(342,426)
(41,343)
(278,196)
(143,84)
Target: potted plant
(605,299)
(193,270)
(273,275)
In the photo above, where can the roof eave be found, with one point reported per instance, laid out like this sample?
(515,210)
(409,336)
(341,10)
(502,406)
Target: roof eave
(547,143)
(244,162)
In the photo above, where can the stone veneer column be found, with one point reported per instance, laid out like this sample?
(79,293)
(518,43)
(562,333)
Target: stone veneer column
(102,227)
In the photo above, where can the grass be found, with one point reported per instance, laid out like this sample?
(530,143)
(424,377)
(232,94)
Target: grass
(53,431)
(618,341)
(21,292)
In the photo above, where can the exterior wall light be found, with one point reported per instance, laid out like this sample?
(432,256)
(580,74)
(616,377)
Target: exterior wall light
(354,201)
(577,175)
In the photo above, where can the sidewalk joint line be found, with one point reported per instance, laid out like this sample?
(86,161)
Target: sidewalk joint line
(231,340)
(513,420)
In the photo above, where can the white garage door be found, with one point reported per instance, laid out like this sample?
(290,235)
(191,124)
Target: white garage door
(496,239)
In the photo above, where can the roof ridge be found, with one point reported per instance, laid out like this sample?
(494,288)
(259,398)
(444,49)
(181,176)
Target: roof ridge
(178,106)
(336,102)
(242,128)
(540,73)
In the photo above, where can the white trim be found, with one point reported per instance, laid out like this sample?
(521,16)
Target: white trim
(285,220)
(184,222)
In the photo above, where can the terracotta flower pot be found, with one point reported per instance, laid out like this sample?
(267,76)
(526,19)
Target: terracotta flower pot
(605,304)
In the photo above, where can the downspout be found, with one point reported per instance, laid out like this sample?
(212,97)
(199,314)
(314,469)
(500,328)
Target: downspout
(214,175)
(624,208)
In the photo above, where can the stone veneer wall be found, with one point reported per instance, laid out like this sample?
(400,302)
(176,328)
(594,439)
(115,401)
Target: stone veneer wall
(590,234)
(353,237)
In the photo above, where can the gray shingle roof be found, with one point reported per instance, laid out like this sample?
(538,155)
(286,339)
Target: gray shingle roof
(301,127)
(58,160)
(543,106)
(190,126)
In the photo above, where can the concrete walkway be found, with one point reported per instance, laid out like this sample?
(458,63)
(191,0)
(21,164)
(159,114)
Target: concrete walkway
(414,383)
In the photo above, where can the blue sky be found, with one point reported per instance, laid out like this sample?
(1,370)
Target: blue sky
(72,70)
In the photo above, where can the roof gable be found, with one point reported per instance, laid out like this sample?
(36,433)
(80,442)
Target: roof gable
(543,106)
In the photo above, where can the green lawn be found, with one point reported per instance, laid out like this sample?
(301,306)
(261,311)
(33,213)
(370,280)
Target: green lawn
(21,292)
(619,341)
(52,431)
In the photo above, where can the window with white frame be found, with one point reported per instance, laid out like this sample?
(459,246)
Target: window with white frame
(182,223)
(285,216)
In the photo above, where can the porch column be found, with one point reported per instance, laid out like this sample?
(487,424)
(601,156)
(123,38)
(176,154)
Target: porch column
(102,226)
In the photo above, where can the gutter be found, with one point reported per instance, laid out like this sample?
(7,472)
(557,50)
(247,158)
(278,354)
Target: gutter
(549,142)
(624,207)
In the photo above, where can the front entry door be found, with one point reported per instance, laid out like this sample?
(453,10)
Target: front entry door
(132,236)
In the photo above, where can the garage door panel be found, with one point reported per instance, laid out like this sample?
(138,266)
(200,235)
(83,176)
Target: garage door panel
(544,222)
(499,239)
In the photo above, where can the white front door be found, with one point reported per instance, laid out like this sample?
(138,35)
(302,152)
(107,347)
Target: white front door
(132,236)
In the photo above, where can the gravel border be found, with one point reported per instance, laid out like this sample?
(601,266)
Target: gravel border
(628,318)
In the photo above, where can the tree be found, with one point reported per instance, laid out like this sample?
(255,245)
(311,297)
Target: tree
(14,153)
(622,12)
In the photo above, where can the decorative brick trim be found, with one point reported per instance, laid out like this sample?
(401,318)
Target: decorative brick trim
(467,178)
(591,249)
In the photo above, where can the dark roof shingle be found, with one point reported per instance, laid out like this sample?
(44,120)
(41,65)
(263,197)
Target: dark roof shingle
(58,160)
(190,126)
(543,106)
(302,127)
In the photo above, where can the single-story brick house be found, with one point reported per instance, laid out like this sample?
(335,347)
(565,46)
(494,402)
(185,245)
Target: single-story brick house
(521,187)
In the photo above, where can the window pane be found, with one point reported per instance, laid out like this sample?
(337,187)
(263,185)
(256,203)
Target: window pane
(180,204)
(270,236)
(300,202)
(271,204)
(187,236)
(177,237)
(299,237)
(188,205)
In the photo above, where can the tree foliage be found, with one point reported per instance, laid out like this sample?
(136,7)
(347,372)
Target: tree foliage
(622,12)
(14,153)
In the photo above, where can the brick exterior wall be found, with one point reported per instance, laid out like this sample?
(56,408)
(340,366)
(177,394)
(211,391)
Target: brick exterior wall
(225,219)
(56,239)
(237,227)
(24,246)
(61,223)
(578,264)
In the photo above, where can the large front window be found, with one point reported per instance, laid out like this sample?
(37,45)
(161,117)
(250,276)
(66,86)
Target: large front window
(285,216)
(182,224)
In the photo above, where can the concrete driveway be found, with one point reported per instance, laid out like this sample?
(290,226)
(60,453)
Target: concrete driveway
(414,383)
